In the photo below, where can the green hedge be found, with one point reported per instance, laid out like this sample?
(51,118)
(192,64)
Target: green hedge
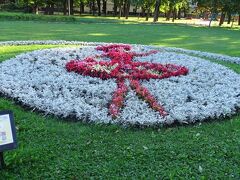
(33,17)
(13,16)
(11,7)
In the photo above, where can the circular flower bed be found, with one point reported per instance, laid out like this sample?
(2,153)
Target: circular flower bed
(116,83)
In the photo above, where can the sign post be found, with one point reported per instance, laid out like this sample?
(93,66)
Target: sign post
(8,140)
(2,163)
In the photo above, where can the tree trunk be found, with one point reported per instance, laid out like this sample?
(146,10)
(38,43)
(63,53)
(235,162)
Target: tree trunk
(65,7)
(156,10)
(115,8)
(93,8)
(212,18)
(81,7)
(90,6)
(135,10)
(184,13)
(46,12)
(148,13)
(143,12)
(168,15)
(239,18)
(229,17)
(222,19)
(99,7)
(51,9)
(104,7)
(71,7)
(179,13)
(124,8)
(174,15)
(120,11)
(35,8)
(127,9)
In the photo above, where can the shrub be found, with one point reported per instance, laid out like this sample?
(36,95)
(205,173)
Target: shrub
(13,7)
(33,17)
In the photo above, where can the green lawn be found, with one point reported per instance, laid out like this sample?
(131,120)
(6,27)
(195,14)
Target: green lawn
(219,40)
(50,148)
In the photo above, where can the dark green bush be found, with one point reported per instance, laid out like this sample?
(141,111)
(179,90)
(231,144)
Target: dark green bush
(13,7)
(33,17)
(14,16)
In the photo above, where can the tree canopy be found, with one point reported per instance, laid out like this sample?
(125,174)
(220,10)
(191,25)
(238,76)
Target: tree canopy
(169,8)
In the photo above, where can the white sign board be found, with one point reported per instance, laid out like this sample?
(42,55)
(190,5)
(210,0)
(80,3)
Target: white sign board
(6,136)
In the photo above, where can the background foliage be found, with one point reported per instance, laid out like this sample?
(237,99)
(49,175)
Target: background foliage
(174,9)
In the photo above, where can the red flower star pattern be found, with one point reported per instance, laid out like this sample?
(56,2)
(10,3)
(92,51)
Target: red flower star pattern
(121,67)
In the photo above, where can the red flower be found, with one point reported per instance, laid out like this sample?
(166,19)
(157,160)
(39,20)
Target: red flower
(121,67)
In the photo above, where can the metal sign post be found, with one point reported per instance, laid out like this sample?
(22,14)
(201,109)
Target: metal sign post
(2,163)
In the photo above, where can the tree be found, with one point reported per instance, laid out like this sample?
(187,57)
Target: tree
(65,4)
(33,4)
(99,7)
(137,4)
(120,2)
(156,10)
(104,7)
(147,5)
(127,8)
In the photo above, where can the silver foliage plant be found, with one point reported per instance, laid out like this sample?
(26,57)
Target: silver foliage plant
(39,79)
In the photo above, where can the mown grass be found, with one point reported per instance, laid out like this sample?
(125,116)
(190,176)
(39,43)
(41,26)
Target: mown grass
(219,40)
(10,51)
(50,148)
